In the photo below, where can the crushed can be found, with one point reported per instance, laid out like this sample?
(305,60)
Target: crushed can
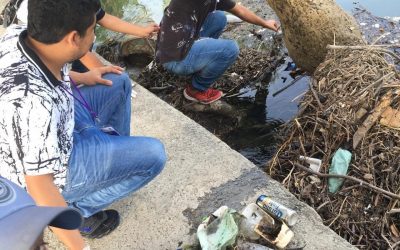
(277,210)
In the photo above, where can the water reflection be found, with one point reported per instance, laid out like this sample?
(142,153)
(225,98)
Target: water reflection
(381,8)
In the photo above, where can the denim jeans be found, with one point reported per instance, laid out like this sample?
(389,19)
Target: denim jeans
(209,56)
(104,168)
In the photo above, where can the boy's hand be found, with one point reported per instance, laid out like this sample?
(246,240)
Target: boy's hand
(95,76)
(150,29)
(272,25)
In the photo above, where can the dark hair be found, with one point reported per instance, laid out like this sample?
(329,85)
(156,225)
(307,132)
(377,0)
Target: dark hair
(49,21)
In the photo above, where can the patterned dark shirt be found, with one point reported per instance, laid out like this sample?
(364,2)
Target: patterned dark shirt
(36,114)
(181,25)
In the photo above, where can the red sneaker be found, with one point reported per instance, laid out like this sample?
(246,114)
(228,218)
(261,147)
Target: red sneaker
(205,97)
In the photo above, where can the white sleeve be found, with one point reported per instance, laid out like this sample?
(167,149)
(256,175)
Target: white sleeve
(22,12)
(32,133)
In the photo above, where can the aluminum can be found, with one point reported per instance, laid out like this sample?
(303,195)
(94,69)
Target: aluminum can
(277,210)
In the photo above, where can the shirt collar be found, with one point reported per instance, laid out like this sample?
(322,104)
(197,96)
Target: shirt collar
(35,60)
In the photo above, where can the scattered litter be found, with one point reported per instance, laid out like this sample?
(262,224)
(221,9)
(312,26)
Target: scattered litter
(340,165)
(277,210)
(283,238)
(253,215)
(376,25)
(315,164)
(225,228)
(258,223)
(219,230)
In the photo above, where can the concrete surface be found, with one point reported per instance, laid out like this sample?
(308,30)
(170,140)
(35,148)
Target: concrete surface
(202,173)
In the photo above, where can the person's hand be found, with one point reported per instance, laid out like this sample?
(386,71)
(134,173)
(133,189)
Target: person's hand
(272,25)
(95,76)
(150,29)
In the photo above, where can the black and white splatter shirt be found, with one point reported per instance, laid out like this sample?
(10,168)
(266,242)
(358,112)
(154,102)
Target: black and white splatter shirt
(36,114)
(181,24)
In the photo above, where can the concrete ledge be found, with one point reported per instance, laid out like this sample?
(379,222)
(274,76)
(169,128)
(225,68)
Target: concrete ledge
(202,174)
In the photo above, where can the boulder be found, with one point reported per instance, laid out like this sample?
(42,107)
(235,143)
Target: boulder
(310,25)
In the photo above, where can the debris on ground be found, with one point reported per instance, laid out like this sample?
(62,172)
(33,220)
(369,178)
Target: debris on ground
(349,93)
(255,228)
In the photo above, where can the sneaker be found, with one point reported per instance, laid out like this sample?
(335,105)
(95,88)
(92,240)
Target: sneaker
(205,97)
(100,224)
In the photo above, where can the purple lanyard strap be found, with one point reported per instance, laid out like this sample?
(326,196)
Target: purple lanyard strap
(83,102)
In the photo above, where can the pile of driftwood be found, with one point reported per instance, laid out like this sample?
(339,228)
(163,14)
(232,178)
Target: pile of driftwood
(353,104)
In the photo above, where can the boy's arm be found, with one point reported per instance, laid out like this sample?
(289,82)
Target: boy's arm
(118,25)
(91,61)
(45,193)
(250,17)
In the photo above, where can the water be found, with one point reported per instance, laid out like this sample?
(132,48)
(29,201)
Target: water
(382,8)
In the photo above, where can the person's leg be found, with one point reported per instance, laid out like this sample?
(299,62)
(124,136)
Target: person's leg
(207,60)
(111,103)
(214,25)
(103,168)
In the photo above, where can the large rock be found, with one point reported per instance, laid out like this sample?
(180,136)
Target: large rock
(135,52)
(310,25)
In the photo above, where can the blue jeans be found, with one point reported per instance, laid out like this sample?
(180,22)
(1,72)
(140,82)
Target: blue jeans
(104,168)
(209,56)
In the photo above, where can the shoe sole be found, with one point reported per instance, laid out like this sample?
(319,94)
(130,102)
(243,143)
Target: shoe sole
(188,97)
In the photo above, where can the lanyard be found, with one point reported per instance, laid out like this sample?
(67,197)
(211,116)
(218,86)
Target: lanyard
(83,102)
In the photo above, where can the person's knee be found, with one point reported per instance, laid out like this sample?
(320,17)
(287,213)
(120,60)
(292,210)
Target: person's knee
(120,81)
(126,81)
(158,155)
(220,19)
(232,49)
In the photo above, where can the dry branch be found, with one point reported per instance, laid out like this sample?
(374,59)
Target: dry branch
(354,179)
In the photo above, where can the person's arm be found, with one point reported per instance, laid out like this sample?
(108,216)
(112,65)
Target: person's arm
(118,25)
(250,17)
(45,193)
(91,61)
